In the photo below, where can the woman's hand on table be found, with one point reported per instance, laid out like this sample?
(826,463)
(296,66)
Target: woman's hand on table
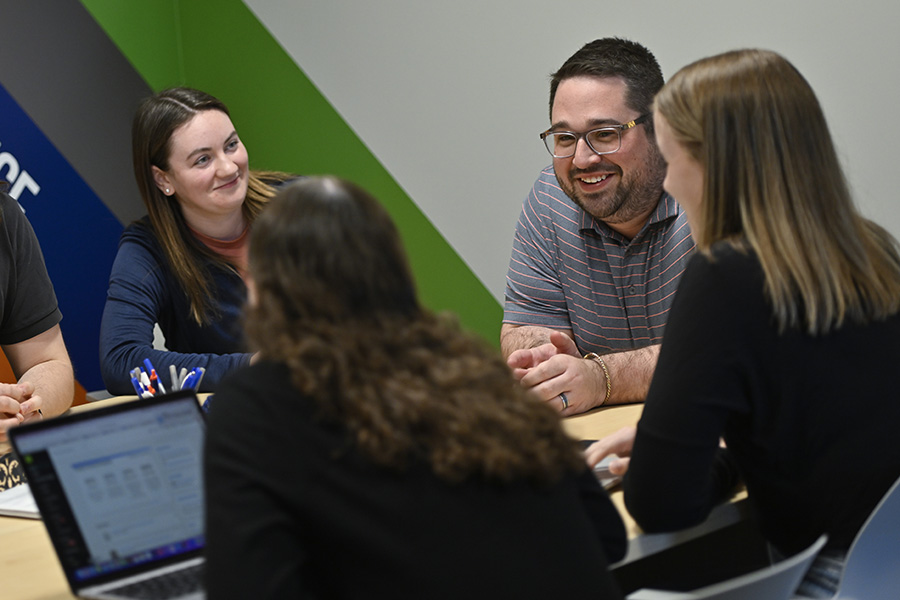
(618,443)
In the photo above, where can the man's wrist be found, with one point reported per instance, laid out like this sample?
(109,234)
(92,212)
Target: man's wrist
(599,360)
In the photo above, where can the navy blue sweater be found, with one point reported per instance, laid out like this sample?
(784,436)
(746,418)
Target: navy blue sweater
(143,291)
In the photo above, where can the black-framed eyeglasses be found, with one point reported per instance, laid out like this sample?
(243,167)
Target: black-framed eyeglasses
(603,140)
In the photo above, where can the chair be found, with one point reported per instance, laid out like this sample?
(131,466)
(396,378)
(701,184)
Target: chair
(775,582)
(872,567)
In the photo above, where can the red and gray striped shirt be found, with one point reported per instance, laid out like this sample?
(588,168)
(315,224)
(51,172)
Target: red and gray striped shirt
(569,270)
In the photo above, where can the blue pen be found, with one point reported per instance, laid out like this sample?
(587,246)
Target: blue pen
(188,381)
(201,372)
(151,372)
(137,386)
(142,390)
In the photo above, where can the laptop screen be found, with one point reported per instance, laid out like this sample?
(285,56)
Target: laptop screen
(119,488)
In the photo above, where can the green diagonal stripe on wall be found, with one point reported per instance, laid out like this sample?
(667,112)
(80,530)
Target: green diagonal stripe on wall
(219,46)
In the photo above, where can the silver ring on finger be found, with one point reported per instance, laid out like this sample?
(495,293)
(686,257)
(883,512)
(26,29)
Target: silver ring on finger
(565,401)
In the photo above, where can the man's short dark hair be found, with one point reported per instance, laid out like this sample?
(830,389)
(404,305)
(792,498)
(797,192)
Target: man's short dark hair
(615,57)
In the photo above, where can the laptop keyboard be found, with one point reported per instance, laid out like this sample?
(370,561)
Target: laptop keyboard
(171,585)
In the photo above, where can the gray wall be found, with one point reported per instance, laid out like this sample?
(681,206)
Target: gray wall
(450,96)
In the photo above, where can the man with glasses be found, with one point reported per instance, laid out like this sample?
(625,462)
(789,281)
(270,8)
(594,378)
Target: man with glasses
(599,247)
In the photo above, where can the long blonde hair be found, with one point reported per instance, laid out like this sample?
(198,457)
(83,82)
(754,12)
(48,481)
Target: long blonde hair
(773,182)
(154,123)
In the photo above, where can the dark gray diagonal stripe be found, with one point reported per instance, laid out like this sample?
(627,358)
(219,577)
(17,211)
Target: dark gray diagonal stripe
(76,86)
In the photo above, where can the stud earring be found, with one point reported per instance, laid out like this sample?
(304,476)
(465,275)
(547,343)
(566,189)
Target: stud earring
(167,191)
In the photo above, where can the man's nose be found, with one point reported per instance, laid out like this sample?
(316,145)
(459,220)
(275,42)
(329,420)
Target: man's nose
(584,155)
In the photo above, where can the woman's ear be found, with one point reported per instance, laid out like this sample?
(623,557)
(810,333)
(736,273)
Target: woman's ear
(161,179)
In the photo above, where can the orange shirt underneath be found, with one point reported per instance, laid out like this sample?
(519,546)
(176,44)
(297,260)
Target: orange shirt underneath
(234,251)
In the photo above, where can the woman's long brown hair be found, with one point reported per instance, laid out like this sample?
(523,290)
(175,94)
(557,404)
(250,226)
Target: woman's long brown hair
(154,123)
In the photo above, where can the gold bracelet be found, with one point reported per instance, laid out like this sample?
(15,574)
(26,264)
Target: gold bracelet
(599,361)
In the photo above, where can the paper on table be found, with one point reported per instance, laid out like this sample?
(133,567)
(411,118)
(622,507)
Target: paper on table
(18,502)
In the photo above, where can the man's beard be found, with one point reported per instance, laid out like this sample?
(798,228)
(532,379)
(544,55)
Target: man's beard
(635,195)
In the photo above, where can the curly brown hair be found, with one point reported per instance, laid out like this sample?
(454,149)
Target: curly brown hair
(335,301)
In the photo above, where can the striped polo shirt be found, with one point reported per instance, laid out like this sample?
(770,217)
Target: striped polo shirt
(571,271)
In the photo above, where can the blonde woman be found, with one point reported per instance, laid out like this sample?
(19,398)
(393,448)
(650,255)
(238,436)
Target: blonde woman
(784,335)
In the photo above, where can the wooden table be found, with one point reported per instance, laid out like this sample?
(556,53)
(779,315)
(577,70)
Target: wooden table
(598,424)
(29,569)
(601,422)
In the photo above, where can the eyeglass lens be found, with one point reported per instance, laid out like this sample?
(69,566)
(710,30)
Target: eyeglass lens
(601,141)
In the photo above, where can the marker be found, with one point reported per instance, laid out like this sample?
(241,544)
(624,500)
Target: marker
(173,377)
(148,365)
(202,372)
(137,386)
(192,381)
(153,377)
(188,382)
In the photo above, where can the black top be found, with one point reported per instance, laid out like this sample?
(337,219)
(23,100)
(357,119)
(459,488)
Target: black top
(294,512)
(809,420)
(28,305)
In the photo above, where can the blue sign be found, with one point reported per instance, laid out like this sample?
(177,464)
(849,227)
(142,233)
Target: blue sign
(77,232)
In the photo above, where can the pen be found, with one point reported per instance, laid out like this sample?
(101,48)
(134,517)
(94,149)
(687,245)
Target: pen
(137,386)
(192,381)
(173,377)
(141,389)
(188,381)
(201,372)
(153,377)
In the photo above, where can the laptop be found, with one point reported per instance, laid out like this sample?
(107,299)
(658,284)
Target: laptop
(120,491)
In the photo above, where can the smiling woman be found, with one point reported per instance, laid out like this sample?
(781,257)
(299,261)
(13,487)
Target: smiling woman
(684,173)
(207,175)
(182,266)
